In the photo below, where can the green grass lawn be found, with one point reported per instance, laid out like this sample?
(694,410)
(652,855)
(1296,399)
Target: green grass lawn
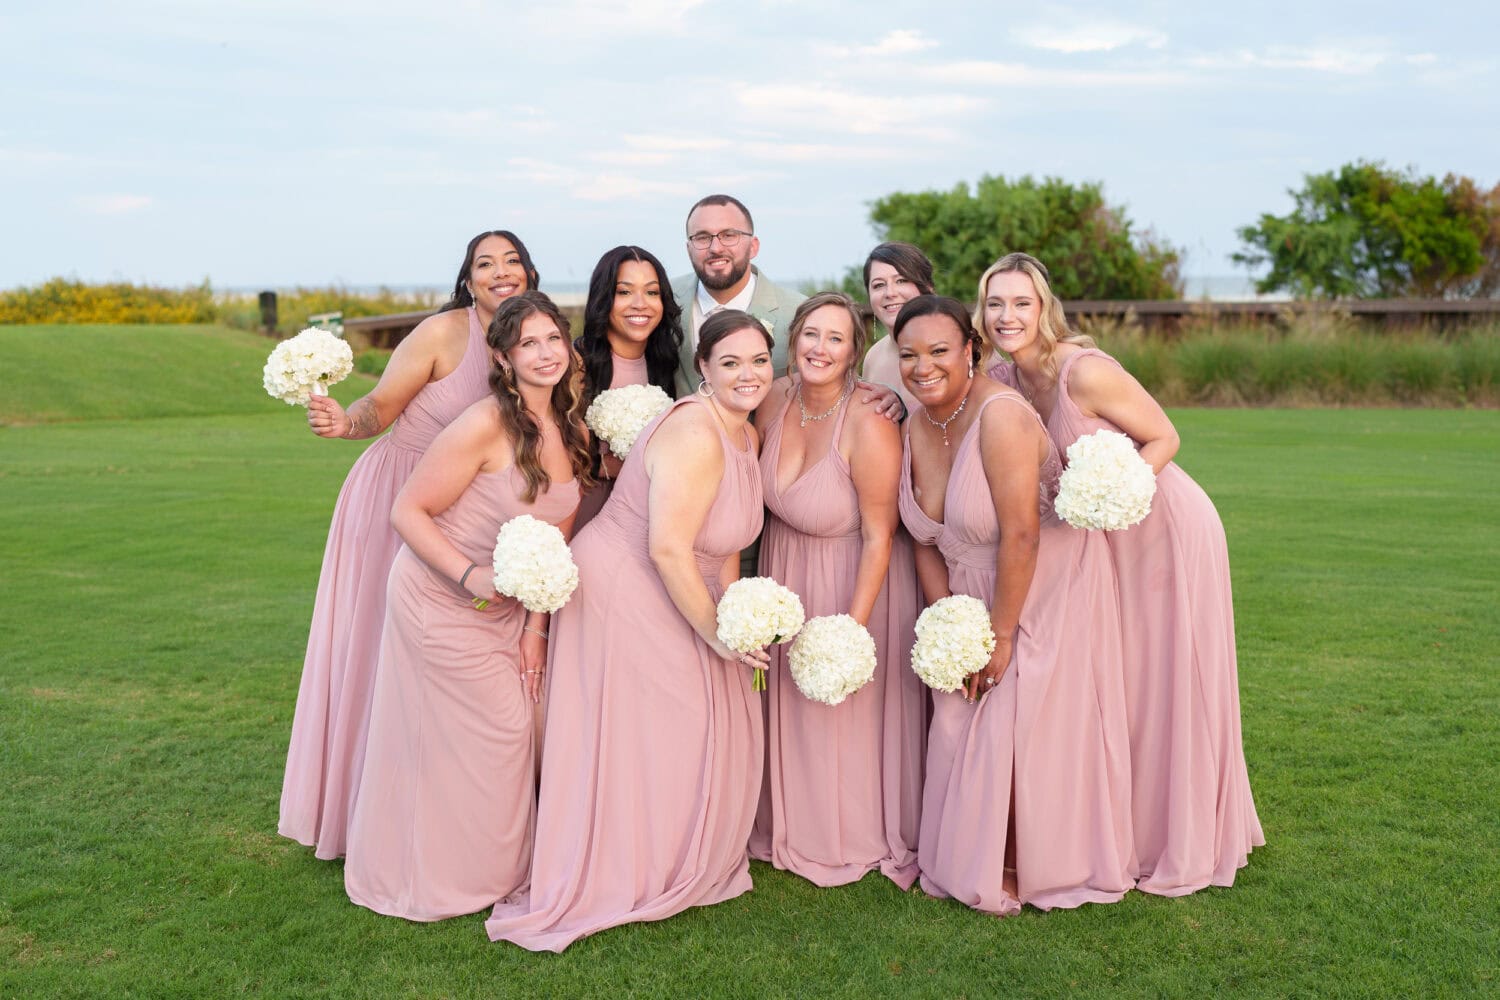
(161,531)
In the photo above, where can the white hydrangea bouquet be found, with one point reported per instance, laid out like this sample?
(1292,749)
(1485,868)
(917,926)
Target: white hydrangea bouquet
(533,565)
(1107,484)
(833,657)
(757,612)
(954,639)
(306,365)
(617,416)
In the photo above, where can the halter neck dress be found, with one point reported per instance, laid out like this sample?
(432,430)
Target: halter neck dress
(653,750)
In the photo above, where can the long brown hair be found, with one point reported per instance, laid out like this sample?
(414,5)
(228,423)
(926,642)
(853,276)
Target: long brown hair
(566,400)
(1052,325)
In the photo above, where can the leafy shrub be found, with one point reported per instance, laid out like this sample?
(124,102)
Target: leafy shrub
(62,300)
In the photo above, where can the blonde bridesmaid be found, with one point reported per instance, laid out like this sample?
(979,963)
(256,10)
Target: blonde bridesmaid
(1195,818)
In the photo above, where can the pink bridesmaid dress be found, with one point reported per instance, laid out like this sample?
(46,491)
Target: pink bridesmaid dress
(444,818)
(327,748)
(624,371)
(843,787)
(1041,762)
(654,744)
(1195,819)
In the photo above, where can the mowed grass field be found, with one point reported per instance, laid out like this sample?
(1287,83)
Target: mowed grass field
(161,529)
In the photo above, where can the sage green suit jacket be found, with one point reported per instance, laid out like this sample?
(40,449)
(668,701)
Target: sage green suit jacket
(770,303)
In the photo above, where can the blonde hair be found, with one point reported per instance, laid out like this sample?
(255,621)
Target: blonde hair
(1052,326)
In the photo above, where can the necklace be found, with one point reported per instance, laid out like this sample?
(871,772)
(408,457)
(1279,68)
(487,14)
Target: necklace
(822,416)
(942,425)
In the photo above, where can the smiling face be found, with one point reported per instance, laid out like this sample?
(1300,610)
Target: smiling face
(1012,312)
(720,267)
(738,369)
(637,307)
(889,290)
(541,355)
(823,352)
(496,274)
(935,361)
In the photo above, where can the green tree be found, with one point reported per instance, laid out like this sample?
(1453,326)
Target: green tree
(1089,247)
(1368,231)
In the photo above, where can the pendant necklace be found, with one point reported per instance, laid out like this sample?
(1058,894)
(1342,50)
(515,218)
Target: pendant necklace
(822,416)
(942,425)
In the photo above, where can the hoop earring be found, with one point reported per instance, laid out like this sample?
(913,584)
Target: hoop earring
(709,393)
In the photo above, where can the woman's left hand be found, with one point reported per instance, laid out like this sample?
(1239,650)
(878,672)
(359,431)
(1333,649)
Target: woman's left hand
(609,465)
(981,682)
(889,403)
(533,664)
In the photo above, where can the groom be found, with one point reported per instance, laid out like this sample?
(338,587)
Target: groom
(721,243)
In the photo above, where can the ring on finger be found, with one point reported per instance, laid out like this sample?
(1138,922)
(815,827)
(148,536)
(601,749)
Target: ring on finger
(989,682)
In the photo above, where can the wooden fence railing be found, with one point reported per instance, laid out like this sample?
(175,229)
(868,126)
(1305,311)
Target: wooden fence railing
(1162,314)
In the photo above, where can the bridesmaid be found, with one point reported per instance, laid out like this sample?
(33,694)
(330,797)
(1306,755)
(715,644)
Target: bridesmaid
(1028,780)
(895,273)
(444,819)
(632,333)
(843,786)
(654,743)
(437,371)
(1195,819)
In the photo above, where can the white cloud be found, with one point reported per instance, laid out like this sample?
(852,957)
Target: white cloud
(1348,59)
(113,204)
(590,186)
(995,74)
(1065,31)
(834,109)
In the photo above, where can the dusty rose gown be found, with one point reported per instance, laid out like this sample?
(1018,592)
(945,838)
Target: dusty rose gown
(843,787)
(1050,739)
(1195,819)
(654,744)
(444,818)
(624,371)
(326,753)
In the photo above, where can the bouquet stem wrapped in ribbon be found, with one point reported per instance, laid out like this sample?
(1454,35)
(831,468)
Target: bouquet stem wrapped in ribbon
(757,612)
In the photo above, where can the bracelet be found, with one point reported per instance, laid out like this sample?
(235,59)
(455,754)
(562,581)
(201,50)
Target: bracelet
(533,631)
(463,579)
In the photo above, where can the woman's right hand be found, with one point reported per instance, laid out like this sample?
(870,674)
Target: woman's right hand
(481,585)
(608,463)
(756,659)
(326,417)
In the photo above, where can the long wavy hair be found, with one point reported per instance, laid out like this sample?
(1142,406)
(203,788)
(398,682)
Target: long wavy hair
(462,298)
(663,344)
(566,400)
(1052,326)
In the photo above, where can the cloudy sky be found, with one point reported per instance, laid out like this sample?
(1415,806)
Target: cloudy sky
(275,142)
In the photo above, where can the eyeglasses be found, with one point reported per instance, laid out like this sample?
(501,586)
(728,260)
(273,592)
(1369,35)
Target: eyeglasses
(726,238)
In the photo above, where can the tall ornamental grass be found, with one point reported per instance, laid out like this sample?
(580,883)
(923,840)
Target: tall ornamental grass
(1251,366)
